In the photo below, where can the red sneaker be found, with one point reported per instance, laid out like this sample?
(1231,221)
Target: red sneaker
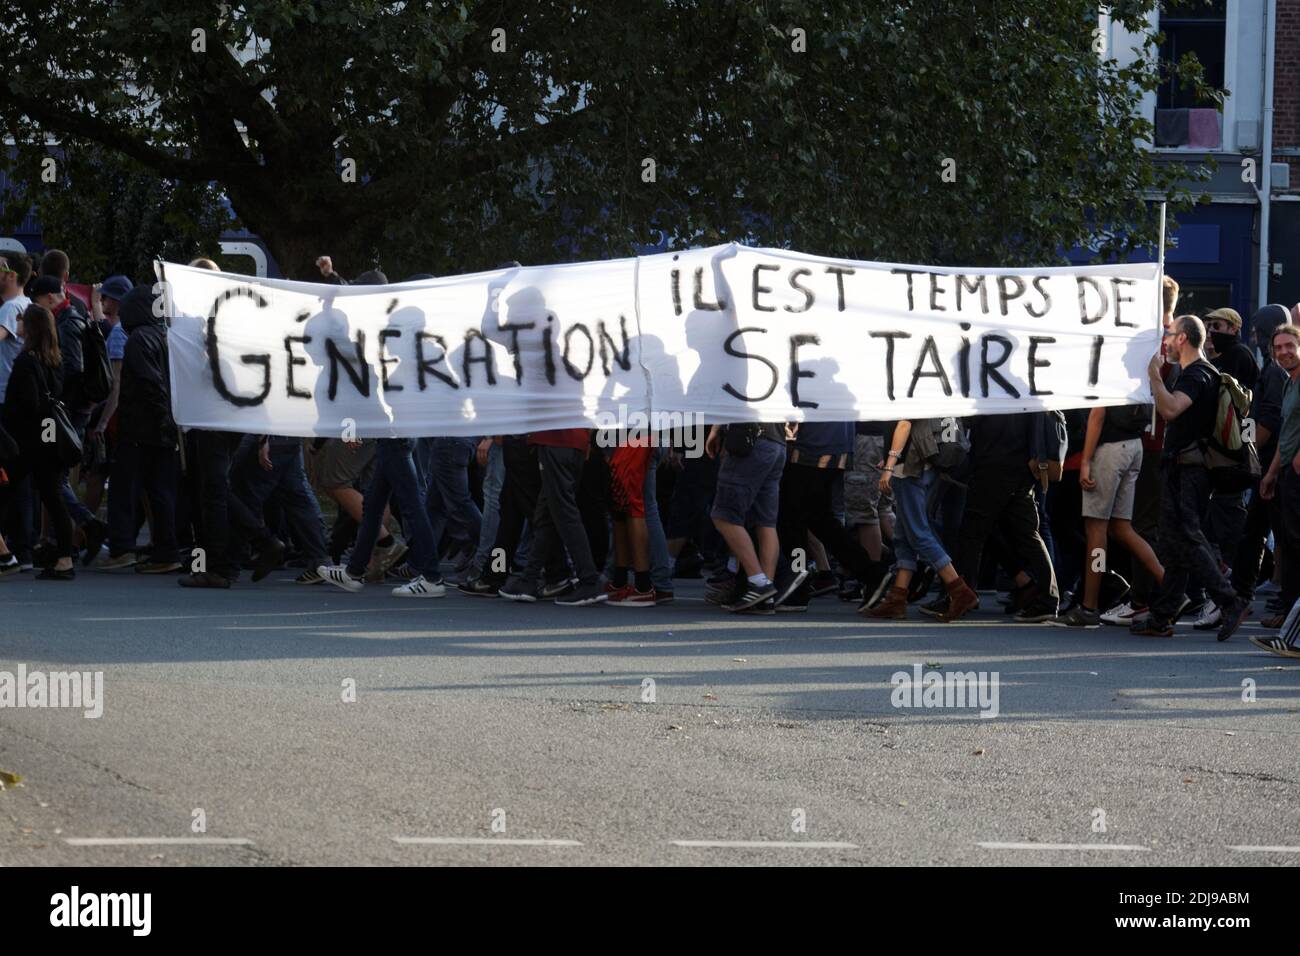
(631,597)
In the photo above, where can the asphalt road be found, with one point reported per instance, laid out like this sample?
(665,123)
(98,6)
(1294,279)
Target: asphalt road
(485,722)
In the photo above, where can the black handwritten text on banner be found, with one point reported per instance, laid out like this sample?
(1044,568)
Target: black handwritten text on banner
(729,332)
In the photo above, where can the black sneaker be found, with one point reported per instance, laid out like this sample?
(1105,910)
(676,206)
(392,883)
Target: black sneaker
(1232,617)
(557,589)
(762,608)
(518,589)
(1078,616)
(10,565)
(922,581)
(936,608)
(720,577)
(728,593)
(268,559)
(796,601)
(1018,598)
(56,574)
(824,582)
(754,594)
(478,587)
(786,586)
(583,595)
(851,590)
(1037,612)
(1151,626)
(870,598)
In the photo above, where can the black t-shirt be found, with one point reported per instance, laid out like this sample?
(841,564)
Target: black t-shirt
(1200,382)
(1240,364)
(1124,423)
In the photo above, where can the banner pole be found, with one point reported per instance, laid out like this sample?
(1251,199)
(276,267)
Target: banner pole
(1160,301)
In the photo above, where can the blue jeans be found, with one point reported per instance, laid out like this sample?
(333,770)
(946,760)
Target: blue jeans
(286,482)
(914,536)
(395,477)
(450,505)
(494,477)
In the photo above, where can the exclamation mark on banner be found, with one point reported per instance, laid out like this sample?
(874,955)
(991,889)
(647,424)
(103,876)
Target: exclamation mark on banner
(1094,367)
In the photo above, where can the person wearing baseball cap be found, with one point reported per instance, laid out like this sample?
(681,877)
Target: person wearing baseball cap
(1225,348)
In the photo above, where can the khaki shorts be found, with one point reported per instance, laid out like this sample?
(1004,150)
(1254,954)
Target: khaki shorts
(863,502)
(336,465)
(1114,468)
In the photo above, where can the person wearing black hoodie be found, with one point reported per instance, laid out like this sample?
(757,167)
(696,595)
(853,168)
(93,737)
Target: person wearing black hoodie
(35,381)
(1226,519)
(1266,413)
(145,460)
(1000,506)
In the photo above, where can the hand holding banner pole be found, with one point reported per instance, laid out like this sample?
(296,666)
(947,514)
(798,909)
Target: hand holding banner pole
(1160,304)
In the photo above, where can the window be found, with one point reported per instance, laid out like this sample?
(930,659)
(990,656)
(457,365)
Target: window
(1200,27)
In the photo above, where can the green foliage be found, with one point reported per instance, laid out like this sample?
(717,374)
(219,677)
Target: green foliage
(466,156)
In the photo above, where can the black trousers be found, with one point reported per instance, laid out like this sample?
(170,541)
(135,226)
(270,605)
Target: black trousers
(152,471)
(228,523)
(806,505)
(47,483)
(593,505)
(1250,549)
(1185,549)
(557,515)
(518,503)
(1000,502)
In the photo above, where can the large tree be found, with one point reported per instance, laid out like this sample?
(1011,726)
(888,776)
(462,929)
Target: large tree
(545,131)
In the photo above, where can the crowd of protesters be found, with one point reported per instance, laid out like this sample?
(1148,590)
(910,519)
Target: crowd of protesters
(1118,522)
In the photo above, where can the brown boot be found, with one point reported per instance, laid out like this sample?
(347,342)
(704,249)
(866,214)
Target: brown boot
(892,608)
(960,600)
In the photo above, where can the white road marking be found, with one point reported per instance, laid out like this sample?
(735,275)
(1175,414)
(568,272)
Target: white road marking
(157,841)
(481,841)
(1062,846)
(768,844)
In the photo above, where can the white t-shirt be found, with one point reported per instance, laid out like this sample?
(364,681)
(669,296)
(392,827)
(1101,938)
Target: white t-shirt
(11,345)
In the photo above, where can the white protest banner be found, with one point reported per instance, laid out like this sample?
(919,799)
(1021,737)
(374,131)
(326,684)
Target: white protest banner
(730,333)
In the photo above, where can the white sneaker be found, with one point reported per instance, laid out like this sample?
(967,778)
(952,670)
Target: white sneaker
(420,587)
(1208,617)
(339,577)
(1121,615)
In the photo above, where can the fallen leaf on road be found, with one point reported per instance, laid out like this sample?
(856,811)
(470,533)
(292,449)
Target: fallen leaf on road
(710,696)
(979,752)
(8,778)
(745,660)
(609,706)
(1230,733)
(674,726)
(933,665)
(1187,780)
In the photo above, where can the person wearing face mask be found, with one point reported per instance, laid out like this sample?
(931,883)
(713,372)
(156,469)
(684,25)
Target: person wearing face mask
(1225,349)
(1266,413)
(1226,518)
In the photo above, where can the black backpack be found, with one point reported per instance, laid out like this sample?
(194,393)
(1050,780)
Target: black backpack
(96,373)
(1049,446)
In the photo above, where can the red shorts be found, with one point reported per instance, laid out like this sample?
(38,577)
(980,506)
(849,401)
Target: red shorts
(627,470)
